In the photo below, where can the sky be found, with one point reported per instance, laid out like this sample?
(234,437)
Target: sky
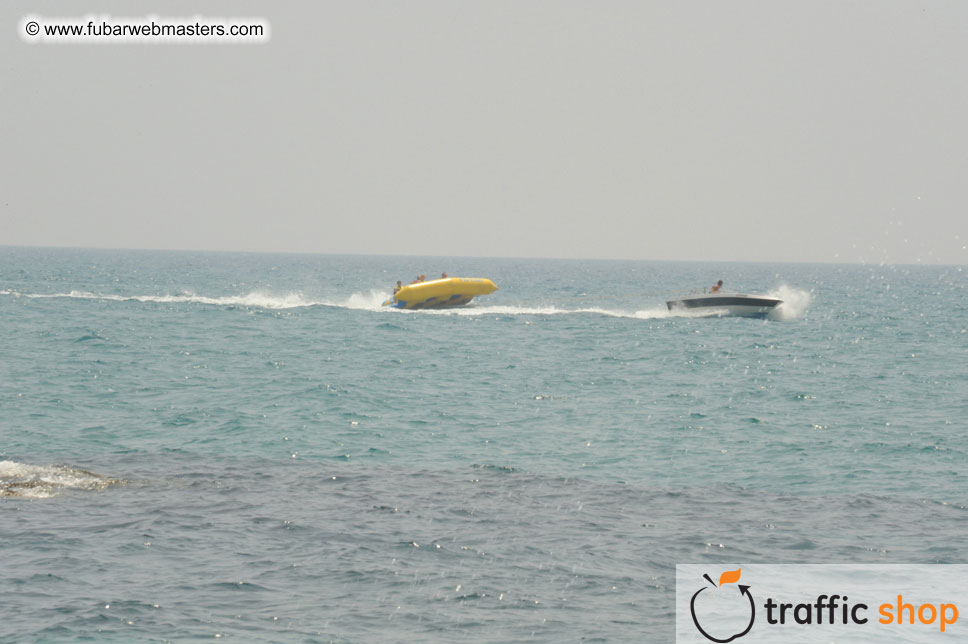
(811,131)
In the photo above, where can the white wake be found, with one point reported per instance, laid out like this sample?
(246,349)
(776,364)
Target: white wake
(255,299)
(795,303)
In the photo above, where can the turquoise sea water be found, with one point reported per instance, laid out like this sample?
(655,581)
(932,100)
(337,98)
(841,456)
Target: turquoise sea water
(248,447)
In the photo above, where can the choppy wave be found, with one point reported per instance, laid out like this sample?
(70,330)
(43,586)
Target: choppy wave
(45,481)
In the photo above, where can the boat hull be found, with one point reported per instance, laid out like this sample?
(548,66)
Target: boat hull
(441,294)
(746,306)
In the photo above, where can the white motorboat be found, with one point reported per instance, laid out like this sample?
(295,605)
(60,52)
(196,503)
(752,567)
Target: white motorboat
(726,304)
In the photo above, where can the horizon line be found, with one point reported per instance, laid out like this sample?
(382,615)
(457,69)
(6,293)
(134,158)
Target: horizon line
(836,262)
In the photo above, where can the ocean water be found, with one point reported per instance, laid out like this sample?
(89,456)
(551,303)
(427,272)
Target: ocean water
(248,447)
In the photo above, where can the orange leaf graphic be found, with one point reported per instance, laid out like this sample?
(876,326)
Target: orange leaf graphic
(729,577)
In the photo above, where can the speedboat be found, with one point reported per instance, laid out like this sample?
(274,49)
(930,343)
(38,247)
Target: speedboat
(726,304)
(441,294)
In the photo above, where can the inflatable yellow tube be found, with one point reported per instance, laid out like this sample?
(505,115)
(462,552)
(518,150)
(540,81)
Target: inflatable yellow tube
(442,293)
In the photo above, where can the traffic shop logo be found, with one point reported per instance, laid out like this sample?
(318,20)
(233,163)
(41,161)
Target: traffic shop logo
(736,599)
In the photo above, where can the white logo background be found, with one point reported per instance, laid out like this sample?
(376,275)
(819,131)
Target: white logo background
(723,611)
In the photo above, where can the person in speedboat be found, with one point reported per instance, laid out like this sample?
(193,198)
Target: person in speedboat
(718,285)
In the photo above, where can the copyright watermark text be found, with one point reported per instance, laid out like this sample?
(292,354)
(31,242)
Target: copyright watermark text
(147,29)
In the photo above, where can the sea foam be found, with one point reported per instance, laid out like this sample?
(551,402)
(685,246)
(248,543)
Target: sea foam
(795,302)
(44,481)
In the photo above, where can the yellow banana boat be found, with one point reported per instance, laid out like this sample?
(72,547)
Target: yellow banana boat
(442,293)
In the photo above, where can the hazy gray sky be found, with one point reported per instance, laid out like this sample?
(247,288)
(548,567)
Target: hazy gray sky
(767,131)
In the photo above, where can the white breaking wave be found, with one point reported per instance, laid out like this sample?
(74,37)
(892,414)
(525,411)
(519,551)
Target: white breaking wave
(45,481)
